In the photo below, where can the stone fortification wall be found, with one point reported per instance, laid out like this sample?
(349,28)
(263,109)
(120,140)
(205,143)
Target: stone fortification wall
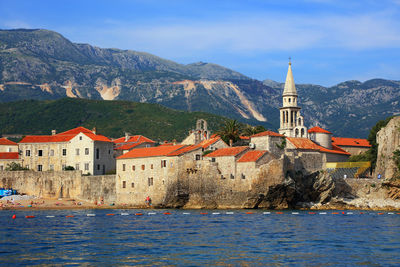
(63,184)
(388,139)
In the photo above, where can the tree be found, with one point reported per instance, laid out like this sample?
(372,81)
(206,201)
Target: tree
(373,151)
(13,166)
(230,131)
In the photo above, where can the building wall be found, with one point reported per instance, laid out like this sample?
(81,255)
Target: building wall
(217,145)
(269,143)
(8,148)
(329,157)
(52,156)
(354,150)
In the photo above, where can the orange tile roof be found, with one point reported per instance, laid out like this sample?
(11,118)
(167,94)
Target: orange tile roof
(98,137)
(6,142)
(133,139)
(184,150)
(9,155)
(252,156)
(307,144)
(167,144)
(343,141)
(267,133)
(244,137)
(150,152)
(208,142)
(317,129)
(228,151)
(76,130)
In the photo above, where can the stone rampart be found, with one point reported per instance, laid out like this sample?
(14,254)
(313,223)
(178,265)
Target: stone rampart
(60,184)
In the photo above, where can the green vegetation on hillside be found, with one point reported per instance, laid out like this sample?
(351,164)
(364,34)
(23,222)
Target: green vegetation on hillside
(111,118)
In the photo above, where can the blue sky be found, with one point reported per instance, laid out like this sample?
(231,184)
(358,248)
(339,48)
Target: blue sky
(330,41)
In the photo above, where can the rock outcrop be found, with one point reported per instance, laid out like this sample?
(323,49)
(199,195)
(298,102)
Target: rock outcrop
(388,139)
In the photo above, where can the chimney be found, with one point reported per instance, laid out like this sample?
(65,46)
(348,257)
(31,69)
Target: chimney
(230,142)
(126,137)
(94,130)
(53,132)
(174,141)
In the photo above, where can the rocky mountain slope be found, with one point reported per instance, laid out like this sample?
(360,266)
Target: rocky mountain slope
(41,64)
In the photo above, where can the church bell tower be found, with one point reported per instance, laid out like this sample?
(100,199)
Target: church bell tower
(291,122)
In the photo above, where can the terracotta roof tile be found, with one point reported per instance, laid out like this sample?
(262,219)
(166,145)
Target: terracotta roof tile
(342,141)
(228,151)
(98,137)
(76,130)
(252,156)
(6,142)
(244,137)
(307,144)
(46,138)
(184,150)
(267,133)
(317,129)
(133,139)
(9,155)
(208,142)
(150,152)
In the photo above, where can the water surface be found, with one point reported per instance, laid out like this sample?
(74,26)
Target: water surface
(197,239)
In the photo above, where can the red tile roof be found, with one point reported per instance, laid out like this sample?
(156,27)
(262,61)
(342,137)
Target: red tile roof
(133,139)
(267,133)
(307,144)
(342,141)
(9,155)
(228,151)
(6,142)
(150,152)
(317,129)
(64,136)
(167,144)
(244,137)
(252,156)
(184,150)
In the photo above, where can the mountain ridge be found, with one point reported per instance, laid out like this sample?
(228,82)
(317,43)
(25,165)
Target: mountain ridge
(42,64)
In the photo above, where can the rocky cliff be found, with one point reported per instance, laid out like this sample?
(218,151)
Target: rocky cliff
(388,139)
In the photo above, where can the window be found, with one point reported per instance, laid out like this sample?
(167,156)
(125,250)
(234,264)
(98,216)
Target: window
(1,167)
(163,164)
(243,176)
(123,184)
(232,176)
(151,166)
(63,166)
(40,152)
(51,167)
(143,167)
(198,157)
(64,152)
(98,167)
(109,151)
(150,181)
(9,149)
(51,152)
(28,153)
(80,137)
(86,166)
(123,167)
(77,166)
(222,177)
(39,168)
(133,167)
(289,100)
(97,153)
(87,151)
(77,151)
(132,185)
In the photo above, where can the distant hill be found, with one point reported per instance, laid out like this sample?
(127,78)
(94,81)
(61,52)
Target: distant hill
(43,65)
(111,118)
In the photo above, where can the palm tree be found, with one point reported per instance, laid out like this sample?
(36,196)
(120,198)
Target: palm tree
(230,131)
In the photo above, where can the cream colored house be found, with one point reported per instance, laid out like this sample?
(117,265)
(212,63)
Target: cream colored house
(269,141)
(80,148)
(354,146)
(8,146)
(151,172)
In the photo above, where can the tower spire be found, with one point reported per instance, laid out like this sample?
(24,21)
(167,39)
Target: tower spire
(290,88)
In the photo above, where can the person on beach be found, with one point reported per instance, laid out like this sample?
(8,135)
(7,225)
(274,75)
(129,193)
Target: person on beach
(148,201)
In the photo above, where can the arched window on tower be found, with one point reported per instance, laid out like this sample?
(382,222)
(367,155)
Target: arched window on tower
(300,122)
(302,132)
(296,133)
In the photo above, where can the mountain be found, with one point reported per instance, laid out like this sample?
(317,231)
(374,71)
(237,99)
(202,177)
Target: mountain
(111,118)
(43,65)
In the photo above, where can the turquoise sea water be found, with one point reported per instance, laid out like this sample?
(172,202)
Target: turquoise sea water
(197,239)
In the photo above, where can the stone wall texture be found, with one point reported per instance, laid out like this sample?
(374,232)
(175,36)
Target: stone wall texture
(63,184)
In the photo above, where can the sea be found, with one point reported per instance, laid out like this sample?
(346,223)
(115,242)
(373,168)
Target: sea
(199,238)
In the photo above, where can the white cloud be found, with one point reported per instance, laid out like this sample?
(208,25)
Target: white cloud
(15,24)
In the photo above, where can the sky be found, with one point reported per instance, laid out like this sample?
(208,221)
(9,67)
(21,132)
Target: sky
(329,41)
